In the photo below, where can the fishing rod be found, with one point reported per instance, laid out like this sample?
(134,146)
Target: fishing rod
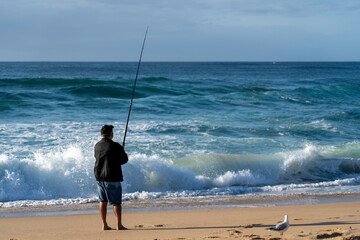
(132,97)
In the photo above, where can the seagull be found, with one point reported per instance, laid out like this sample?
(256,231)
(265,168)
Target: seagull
(282,227)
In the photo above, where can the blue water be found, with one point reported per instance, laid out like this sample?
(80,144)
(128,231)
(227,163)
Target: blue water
(196,129)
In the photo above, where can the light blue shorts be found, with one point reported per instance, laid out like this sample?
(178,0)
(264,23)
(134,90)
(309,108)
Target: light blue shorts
(110,192)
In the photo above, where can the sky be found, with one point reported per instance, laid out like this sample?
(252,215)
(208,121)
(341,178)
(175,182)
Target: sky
(182,30)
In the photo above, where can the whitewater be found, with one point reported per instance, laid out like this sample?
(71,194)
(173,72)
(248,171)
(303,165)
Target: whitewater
(197,129)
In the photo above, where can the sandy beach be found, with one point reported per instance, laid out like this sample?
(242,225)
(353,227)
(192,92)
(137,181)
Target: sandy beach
(316,221)
(217,149)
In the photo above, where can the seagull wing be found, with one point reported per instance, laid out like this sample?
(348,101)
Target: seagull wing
(281,226)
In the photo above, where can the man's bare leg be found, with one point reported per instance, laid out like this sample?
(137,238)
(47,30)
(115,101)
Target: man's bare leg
(117,211)
(103,212)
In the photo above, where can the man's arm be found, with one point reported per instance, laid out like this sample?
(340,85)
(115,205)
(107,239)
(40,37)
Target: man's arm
(123,156)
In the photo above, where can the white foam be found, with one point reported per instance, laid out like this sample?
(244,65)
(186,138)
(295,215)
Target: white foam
(231,178)
(326,187)
(63,171)
(50,202)
(54,165)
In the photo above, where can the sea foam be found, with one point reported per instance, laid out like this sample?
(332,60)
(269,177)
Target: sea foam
(64,175)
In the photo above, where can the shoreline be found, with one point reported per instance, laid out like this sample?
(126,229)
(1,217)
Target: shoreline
(186,203)
(315,221)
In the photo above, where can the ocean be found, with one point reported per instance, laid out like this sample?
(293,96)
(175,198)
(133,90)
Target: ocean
(196,129)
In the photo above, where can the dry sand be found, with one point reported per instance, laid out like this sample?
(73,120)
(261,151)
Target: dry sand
(317,221)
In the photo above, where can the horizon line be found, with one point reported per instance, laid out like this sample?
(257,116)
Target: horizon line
(181,61)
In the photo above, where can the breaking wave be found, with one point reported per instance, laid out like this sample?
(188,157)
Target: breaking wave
(64,175)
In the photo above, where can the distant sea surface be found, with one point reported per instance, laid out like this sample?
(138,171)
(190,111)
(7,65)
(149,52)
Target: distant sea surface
(196,129)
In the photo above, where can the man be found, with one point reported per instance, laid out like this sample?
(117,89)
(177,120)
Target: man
(109,158)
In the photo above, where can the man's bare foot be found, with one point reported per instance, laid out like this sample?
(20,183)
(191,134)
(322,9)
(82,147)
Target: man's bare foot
(106,228)
(122,228)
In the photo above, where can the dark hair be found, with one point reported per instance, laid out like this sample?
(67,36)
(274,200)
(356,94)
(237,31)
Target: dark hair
(106,130)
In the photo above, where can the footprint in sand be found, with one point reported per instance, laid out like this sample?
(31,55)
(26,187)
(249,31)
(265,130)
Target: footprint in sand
(352,237)
(330,233)
(302,235)
(252,225)
(142,226)
(256,237)
(234,233)
(159,225)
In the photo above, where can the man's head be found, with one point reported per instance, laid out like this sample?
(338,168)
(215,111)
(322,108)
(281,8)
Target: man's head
(107,131)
